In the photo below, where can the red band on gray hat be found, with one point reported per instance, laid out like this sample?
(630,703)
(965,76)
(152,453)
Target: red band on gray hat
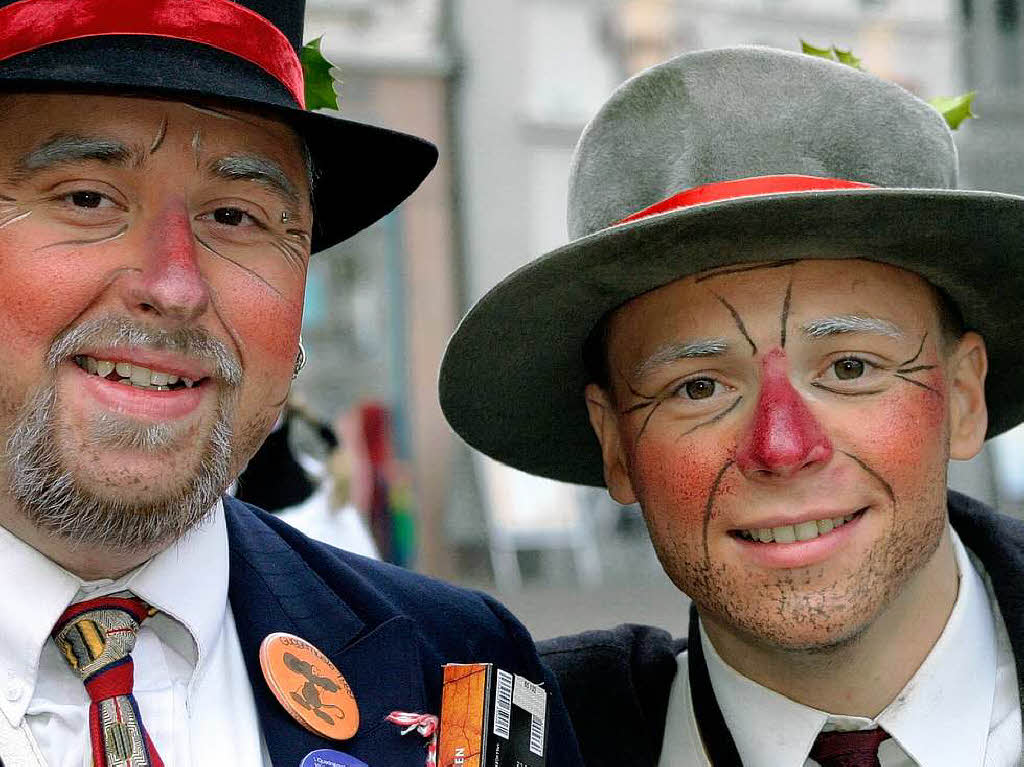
(743,187)
(30,24)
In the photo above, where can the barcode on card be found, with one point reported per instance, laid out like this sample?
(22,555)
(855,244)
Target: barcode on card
(537,735)
(503,704)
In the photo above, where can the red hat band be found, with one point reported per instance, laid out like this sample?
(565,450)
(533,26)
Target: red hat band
(30,24)
(743,187)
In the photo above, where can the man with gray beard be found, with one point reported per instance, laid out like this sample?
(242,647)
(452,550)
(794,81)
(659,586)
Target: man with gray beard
(154,244)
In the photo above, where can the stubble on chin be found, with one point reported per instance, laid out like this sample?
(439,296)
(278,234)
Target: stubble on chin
(56,501)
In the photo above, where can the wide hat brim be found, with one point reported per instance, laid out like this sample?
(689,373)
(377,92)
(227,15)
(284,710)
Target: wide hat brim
(512,379)
(361,171)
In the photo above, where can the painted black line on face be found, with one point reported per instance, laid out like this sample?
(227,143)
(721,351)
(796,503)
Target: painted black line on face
(823,387)
(244,268)
(710,505)
(82,243)
(916,383)
(878,477)
(917,368)
(739,322)
(919,350)
(741,269)
(785,312)
(652,402)
(715,419)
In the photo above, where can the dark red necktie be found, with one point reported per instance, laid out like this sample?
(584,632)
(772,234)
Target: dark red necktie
(848,749)
(96,638)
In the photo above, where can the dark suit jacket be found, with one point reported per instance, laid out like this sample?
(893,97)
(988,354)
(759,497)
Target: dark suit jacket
(616,683)
(386,629)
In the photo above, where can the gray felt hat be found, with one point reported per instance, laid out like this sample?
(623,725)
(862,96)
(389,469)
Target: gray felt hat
(512,378)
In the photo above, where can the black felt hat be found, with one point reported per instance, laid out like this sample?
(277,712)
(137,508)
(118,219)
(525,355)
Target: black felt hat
(722,157)
(240,52)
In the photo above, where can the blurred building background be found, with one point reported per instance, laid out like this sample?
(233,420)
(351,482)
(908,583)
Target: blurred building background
(504,87)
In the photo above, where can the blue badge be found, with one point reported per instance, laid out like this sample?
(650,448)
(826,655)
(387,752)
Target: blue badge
(328,757)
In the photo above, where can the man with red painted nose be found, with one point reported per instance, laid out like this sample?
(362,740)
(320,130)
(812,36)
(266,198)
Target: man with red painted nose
(777,323)
(162,190)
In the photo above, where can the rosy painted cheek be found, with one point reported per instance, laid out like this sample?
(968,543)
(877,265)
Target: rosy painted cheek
(676,478)
(265,323)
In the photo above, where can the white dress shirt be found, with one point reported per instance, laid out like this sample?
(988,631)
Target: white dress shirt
(190,678)
(960,708)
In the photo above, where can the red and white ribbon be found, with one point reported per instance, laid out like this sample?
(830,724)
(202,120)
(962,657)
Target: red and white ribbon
(424,724)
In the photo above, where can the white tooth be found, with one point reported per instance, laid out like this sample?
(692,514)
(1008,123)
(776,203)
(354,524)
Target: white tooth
(825,526)
(764,534)
(188,382)
(90,364)
(162,388)
(784,534)
(838,521)
(104,368)
(126,381)
(848,517)
(805,531)
(141,376)
(124,369)
(171,380)
(160,379)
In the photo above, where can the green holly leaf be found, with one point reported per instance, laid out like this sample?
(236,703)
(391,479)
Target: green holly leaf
(846,57)
(316,70)
(832,54)
(821,53)
(955,109)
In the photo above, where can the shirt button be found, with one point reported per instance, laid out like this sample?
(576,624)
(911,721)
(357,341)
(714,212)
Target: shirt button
(14,690)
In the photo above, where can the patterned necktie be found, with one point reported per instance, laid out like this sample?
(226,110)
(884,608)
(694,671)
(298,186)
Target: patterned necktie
(96,638)
(848,749)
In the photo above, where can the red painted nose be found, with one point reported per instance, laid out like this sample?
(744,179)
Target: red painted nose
(784,436)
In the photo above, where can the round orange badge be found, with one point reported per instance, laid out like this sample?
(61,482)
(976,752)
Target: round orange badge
(309,687)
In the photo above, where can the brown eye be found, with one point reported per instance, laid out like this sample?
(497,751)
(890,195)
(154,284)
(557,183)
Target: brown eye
(86,199)
(229,216)
(699,388)
(848,369)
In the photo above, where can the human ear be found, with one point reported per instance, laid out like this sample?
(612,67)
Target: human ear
(968,413)
(604,421)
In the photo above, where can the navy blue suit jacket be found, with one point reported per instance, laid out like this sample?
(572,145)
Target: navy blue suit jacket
(387,630)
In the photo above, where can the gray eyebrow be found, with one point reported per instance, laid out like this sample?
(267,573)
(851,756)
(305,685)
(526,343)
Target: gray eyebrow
(673,352)
(824,327)
(262,170)
(67,148)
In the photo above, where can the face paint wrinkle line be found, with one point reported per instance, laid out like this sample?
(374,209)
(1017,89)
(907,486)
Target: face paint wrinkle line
(873,473)
(160,136)
(919,350)
(785,311)
(16,219)
(86,243)
(710,504)
(244,268)
(738,320)
(741,269)
(715,419)
(822,386)
(916,369)
(916,383)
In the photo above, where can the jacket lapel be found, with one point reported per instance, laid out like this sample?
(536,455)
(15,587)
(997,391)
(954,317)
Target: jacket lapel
(272,588)
(998,541)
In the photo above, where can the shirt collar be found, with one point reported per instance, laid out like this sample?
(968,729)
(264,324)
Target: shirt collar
(770,729)
(188,581)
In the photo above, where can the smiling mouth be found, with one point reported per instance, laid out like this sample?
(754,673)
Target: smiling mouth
(805,531)
(135,375)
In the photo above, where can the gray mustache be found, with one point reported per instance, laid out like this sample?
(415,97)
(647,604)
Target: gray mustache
(117,332)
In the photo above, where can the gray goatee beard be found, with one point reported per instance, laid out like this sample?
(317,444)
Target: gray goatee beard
(53,500)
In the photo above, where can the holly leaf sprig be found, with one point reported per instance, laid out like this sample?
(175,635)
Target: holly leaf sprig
(316,70)
(954,109)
